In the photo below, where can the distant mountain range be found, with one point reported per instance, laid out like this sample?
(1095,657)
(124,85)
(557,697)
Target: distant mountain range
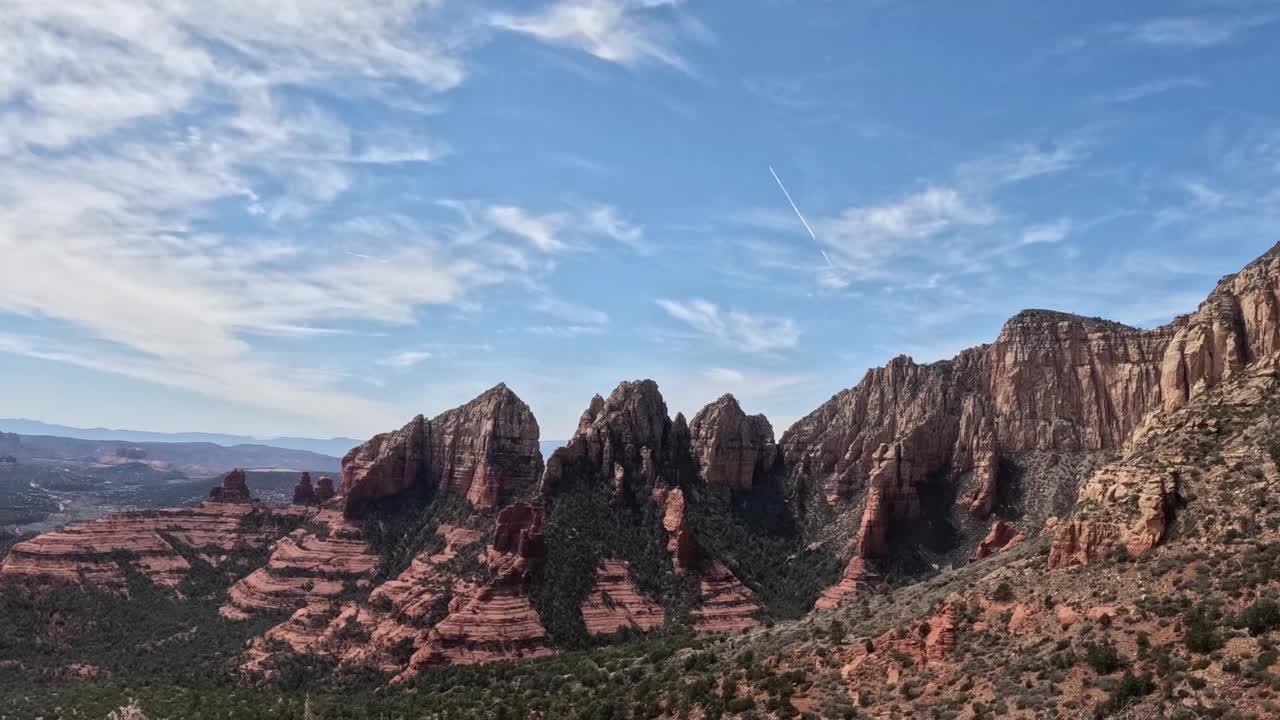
(333,447)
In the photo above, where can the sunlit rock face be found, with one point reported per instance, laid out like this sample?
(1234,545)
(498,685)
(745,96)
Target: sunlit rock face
(733,450)
(483,451)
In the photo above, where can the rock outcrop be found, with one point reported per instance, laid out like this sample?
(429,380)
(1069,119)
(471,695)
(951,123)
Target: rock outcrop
(99,555)
(304,493)
(386,465)
(234,489)
(1001,537)
(734,450)
(1236,325)
(627,440)
(494,621)
(484,451)
(324,488)
(1051,383)
(615,603)
(727,604)
(305,566)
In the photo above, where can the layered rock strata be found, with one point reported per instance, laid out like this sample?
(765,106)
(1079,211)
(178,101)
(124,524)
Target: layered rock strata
(1051,382)
(615,603)
(321,562)
(154,543)
(485,451)
(733,450)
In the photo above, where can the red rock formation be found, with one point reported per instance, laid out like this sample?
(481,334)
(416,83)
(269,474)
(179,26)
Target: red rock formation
(942,633)
(486,448)
(495,621)
(680,543)
(304,493)
(857,577)
(1236,325)
(733,450)
(386,465)
(1001,537)
(380,634)
(304,567)
(519,531)
(727,604)
(630,430)
(234,489)
(324,488)
(615,603)
(483,451)
(90,554)
(892,498)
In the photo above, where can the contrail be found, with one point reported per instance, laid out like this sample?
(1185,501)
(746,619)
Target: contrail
(799,214)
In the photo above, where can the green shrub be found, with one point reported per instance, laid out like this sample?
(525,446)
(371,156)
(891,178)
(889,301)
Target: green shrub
(1103,658)
(1261,617)
(1200,633)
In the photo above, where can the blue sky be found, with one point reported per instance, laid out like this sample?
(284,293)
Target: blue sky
(324,218)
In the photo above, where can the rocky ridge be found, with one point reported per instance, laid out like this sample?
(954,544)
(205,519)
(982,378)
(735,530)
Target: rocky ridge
(484,451)
(1052,385)
(157,544)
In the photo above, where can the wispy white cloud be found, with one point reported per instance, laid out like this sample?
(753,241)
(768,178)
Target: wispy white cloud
(127,127)
(406,359)
(541,231)
(1048,233)
(566,331)
(570,311)
(1190,31)
(1143,91)
(734,329)
(724,375)
(1023,161)
(862,240)
(626,32)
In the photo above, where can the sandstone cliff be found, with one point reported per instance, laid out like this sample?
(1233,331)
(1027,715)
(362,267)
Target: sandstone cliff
(627,439)
(734,451)
(485,451)
(1052,385)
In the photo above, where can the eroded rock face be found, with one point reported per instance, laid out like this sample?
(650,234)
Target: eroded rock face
(305,566)
(1051,383)
(324,488)
(234,489)
(616,603)
(680,542)
(1001,537)
(858,577)
(388,464)
(486,448)
(1236,325)
(304,493)
(483,451)
(90,555)
(734,450)
(727,604)
(627,440)
(381,634)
